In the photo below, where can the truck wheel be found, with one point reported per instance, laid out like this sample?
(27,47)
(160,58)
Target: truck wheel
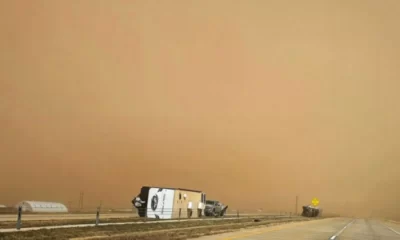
(214,213)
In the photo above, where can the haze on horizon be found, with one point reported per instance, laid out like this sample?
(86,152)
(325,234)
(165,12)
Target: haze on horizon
(253,102)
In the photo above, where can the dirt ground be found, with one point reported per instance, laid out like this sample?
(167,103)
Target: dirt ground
(57,222)
(41,223)
(153,231)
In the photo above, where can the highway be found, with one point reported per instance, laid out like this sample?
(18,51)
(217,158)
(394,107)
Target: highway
(328,229)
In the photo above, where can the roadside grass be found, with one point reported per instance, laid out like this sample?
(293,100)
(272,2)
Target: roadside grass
(58,222)
(153,231)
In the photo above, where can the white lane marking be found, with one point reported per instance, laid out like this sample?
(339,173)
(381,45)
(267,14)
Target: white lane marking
(340,232)
(393,230)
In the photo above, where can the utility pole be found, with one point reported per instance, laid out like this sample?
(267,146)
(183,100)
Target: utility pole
(80,205)
(297,200)
(79,201)
(82,202)
(70,206)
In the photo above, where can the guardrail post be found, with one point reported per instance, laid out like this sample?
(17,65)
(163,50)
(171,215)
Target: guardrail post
(19,218)
(97,216)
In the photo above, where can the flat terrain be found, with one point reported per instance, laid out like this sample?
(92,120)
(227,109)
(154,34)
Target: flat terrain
(335,228)
(74,216)
(40,217)
(150,230)
(40,220)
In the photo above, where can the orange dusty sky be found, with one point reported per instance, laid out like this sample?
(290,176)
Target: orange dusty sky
(253,102)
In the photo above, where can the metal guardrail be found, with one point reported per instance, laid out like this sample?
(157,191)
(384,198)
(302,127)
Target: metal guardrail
(171,214)
(275,219)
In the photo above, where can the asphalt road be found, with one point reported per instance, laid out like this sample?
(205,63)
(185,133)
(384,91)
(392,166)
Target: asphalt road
(328,229)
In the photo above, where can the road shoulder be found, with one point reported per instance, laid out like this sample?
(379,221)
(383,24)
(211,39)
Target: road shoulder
(248,232)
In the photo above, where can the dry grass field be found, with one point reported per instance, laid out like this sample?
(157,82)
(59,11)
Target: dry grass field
(75,219)
(57,222)
(153,231)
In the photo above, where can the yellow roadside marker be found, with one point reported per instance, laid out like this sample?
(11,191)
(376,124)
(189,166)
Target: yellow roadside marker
(315,202)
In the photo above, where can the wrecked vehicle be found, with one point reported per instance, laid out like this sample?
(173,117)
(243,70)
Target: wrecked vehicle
(310,211)
(169,203)
(214,209)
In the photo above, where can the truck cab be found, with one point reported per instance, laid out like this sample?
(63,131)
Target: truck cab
(214,208)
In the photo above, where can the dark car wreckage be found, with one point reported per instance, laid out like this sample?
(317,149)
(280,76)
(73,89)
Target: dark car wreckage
(214,209)
(310,211)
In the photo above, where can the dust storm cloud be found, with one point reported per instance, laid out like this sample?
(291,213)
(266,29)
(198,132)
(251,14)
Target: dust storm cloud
(253,102)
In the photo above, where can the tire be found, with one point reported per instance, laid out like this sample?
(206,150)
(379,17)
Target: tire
(214,213)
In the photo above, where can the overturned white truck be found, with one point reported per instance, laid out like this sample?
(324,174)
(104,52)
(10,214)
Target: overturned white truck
(169,203)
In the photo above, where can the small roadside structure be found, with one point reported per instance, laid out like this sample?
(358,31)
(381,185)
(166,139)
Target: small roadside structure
(42,207)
